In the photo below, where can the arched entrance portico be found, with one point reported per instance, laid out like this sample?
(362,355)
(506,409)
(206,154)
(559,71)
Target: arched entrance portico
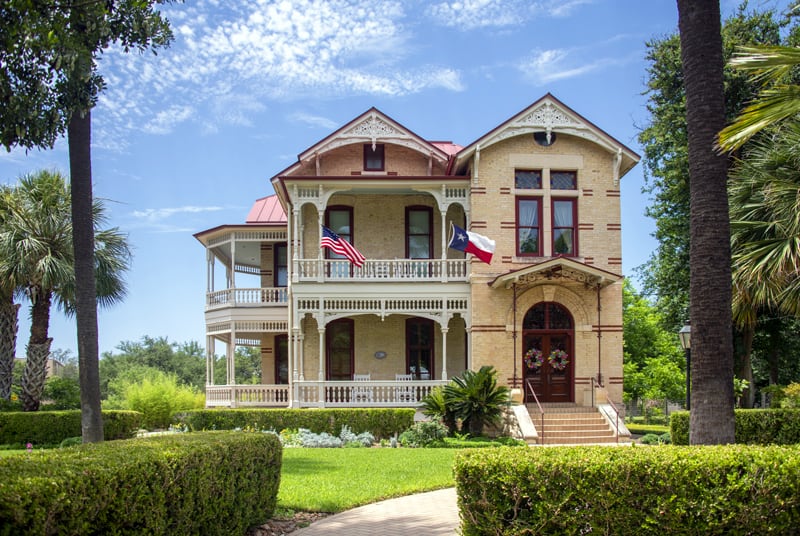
(548,334)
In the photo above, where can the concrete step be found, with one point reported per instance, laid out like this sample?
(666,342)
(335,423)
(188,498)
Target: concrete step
(568,424)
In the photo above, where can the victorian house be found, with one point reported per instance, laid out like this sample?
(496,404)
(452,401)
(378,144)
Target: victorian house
(545,312)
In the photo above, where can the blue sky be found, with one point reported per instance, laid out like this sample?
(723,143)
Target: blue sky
(186,140)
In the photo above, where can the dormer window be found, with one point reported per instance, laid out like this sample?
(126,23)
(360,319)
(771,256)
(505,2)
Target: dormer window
(373,157)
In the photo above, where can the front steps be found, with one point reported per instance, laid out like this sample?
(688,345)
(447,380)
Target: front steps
(569,424)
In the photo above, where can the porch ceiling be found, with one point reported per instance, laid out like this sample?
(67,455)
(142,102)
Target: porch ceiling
(556,268)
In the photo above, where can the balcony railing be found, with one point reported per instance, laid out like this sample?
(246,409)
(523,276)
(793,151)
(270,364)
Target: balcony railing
(247,297)
(232,396)
(340,270)
(328,394)
(361,394)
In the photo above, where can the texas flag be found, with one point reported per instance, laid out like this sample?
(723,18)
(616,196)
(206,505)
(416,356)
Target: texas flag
(470,242)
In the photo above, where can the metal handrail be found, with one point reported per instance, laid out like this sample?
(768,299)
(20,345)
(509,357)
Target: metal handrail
(595,385)
(541,411)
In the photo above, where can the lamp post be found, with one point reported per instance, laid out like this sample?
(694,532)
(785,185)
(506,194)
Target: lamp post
(685,335)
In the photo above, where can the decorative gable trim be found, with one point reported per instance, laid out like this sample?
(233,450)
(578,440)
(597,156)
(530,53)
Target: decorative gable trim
(374,127)
(550,115)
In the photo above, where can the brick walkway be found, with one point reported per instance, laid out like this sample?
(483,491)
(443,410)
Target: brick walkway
(424,514)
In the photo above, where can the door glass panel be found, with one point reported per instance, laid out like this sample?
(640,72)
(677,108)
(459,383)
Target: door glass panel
(559,317)
(534,318)
(418,233)
(340,350)
(419,348)
(281,359)
(281,267)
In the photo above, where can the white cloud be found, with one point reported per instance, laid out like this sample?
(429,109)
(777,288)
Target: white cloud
(229,58)
(153,215)
(165,120)
(471,14)
(545,66)
(314,120)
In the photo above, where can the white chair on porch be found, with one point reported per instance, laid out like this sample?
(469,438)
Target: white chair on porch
(404,393)
(362,394)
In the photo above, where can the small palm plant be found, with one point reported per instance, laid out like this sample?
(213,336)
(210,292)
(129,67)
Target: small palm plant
(476,399)
(435,405)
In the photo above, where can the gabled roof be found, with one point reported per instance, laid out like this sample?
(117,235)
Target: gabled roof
(548,114)
(556,268)
(373,126)
(267,210)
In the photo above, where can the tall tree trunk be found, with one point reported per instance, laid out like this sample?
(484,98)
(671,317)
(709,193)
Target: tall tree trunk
(8,344)
(38,351)
(712,418)
(79,135)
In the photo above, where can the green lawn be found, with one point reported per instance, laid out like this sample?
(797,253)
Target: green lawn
(333,480)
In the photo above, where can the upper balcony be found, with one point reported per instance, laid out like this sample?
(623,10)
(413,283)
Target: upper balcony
(381,271)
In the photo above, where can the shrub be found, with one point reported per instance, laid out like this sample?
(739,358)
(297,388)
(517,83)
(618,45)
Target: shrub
(423,434)
(791,396)
(182,484)
(52,427)
(753,426)
(62,393)
(309,439)
(651,439)
(381,422)
(158,397)
(730,489)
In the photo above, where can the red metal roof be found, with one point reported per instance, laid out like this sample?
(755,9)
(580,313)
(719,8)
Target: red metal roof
(447,146)
(267,210)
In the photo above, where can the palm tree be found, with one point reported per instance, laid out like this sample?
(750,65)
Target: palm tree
(476,399)
(778,100)
(8,315)
(712,418)
(37,253)
(764,206)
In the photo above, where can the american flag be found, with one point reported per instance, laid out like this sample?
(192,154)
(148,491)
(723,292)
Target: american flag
(339,245)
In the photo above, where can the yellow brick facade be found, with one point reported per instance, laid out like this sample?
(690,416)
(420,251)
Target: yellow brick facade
(476,310)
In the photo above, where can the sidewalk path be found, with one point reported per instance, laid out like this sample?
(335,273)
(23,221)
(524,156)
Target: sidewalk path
(423,514)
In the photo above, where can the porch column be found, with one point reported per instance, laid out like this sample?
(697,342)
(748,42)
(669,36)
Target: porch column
(233,264)
(469,347)
(320,257)
(444,352)
(231,363)
(445,275)
(209,272)
(209,360)
(321,376)
(295,242)
(301,339)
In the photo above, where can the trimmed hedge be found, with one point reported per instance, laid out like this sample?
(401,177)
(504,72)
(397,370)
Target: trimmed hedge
(629,490)
(52,427)
(753,427)
(181,484)
(380,422)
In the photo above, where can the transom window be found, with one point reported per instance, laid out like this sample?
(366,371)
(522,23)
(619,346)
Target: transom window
(419,234)
(374,157)
(529,227)
(526,179)
(563,180)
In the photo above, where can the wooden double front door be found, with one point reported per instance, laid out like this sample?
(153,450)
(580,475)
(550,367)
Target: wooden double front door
(547,353)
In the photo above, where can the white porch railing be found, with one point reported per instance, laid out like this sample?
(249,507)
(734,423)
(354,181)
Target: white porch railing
(360,394)
(382,270)
(232,396)
(247,297)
